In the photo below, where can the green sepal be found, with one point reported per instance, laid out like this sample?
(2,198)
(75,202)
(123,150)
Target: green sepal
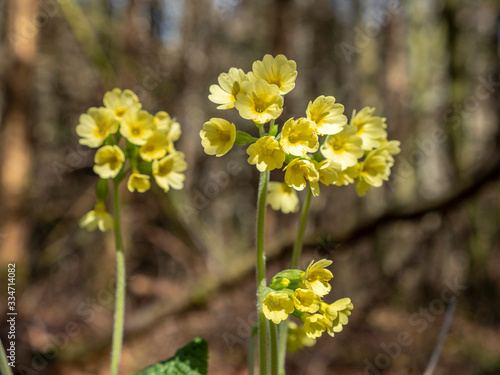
(298,314)
(318,156)
(131,150)
(102,189)
(191,359)
(289,158)
(290,273)
(145,167)
(291,283)
(273,130)
(243,138)
(109,141)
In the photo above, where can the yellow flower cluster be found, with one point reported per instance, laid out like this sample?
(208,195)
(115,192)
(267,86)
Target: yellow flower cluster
(300,293)
(123,131)
(318,148)
(363,151)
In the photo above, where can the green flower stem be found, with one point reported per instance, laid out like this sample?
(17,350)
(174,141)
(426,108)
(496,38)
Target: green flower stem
(297,248)
(4,364)
(261,271)
(282,337)
(274,348)
(120,286)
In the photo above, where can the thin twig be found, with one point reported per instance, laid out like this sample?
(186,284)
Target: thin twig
(448,318)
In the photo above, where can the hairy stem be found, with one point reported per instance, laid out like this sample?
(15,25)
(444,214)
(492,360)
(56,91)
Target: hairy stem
(261,271)
(119,318)
(274,348)
(297,250)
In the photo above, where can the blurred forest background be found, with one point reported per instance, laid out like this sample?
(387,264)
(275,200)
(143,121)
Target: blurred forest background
(401,253)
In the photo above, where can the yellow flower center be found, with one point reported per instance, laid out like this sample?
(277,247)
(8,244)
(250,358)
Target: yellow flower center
(225,136)
(164,168)
(337,145)
(120,111)
(260,106)
(274,304)
(293,138)
(275,81)
(149,148)
(113,162)
(296,169)
(101,131)
(318,117)
(135,131)
(268,149)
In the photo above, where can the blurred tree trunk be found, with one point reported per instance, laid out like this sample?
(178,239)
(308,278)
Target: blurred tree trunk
(322,43)
(22,37)
(280,32)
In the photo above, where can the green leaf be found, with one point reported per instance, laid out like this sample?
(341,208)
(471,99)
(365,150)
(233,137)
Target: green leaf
(243,138)
(191,359)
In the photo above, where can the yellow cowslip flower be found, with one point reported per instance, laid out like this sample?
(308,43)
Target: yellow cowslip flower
(139,182)
(155,147)
(392,147)
(137,126)
(336,314)
(370,128)
(95,126)
(344,148)
(120,102)
(376,167)
(306,300)
(298,171)
(217,136)
(229,87)
(168,171)
(167,125)
(266,154)
(328,174)
(277,71)
(276,306)
(298,138)
(327,115)
(260,101)
(282,197)
(108,161)
(347,176)
(314,325)
(297,338)
(317,277)
(97,218)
